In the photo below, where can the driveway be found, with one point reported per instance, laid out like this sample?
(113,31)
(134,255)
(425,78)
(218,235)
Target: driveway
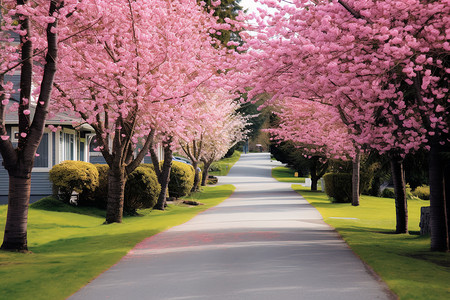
(264,242)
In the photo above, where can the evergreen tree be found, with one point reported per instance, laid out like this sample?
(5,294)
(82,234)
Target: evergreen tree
(226,9)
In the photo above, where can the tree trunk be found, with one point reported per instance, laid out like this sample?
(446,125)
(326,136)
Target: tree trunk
(16,223)
(356,178)
(447,198)
(205,173)
(116,188)
(313,172)
(401,207)
(439,234)
(196,185)
(164,178)
(314,181)
(316,169)
(19,162)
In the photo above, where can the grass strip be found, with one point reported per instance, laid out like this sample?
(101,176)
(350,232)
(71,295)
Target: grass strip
(223,166)
(71,248)
(285,174)
(403,261)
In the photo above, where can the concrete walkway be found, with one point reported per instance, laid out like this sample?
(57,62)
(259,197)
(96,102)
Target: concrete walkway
(264,242)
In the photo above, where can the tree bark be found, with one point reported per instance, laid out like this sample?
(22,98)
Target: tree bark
(447,198)
(16,223)
(164,178)
(401,207)
(196,184)
(438,220)
(316,170)
(19,162)
(205,174)
(314,179)
(356,178)
(116,190)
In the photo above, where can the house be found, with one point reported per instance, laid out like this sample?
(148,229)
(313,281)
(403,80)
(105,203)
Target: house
(61,141)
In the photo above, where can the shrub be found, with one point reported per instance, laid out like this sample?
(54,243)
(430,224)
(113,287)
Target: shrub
(212,179)
(215,167)
(99,197)
(338,186)
(422,192)
(388,193)
(70,176)
(141,190)
(181,179)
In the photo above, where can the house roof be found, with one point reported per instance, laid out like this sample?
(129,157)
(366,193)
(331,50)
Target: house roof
(61,118)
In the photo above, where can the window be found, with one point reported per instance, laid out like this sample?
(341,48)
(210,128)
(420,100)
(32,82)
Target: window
(67,145)
(42,161)
(42,155)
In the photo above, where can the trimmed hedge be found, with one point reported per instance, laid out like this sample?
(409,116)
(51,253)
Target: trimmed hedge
(141,190)
(181,179)
(338,186)
(70,176)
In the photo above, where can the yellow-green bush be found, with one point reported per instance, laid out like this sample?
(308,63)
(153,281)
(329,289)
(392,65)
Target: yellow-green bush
(141,190)
(423,192)
(69,176)
(181,179)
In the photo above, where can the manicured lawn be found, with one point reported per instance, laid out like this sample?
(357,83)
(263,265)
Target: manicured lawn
(285,174)
(69,249)
(403,261)
(223,166)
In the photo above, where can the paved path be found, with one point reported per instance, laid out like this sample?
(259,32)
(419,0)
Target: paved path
(264,242)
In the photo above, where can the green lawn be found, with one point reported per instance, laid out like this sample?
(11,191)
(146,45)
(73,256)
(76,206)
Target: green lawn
(223,166)
(403,261)
(69,249)
(285,174)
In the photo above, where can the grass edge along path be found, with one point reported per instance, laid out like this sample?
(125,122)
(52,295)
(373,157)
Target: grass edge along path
(70,249)
(403,261)
(285,174)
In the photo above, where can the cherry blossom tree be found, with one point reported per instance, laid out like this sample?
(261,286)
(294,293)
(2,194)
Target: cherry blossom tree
(316,128)
(136,58)
(216,127)
(36,44)
(228,131)
(384,64)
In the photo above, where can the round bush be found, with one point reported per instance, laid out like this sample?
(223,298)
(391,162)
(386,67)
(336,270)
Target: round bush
(423,192)
(338,186)
(69,176)
(181,179)
(141,190)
